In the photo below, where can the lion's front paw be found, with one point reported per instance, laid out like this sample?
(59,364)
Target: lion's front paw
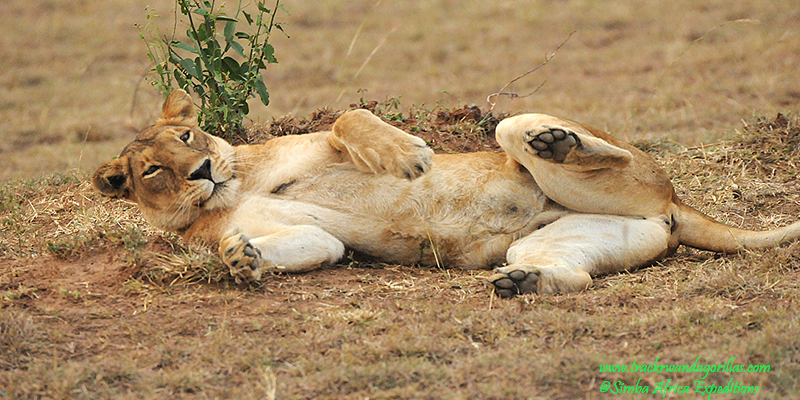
(408,157)
(241,257)
(511,283)
(417,160)
(552,144)
(377,147)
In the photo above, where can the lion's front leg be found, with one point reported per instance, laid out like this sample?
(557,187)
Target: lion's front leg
(377,147)
(563,256)
(290,249)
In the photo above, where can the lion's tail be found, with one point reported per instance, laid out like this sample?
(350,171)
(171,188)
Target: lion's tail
(698,230)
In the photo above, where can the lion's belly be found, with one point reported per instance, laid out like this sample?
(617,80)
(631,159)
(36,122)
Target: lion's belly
(464,213)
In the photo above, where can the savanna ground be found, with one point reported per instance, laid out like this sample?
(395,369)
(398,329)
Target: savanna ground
(95,304)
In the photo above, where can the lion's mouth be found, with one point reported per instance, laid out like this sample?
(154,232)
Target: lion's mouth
(215,192)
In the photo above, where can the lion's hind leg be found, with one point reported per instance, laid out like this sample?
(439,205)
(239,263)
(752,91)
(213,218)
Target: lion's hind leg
(563,256)
(541,137)
(552,143)
(584,169)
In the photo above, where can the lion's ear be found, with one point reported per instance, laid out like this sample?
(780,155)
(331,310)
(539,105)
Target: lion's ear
(178,110)
(112,179)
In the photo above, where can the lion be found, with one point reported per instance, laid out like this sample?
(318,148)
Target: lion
(563,203)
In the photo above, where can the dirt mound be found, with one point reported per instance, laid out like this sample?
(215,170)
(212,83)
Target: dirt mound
(320,120)
(460,130)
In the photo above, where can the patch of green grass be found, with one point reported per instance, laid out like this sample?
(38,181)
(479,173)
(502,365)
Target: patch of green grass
(66,248)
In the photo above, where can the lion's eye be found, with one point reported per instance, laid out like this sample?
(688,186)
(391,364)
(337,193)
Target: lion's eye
(186,137)
(152,170)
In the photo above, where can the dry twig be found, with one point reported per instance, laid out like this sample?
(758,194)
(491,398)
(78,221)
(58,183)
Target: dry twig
(492,98)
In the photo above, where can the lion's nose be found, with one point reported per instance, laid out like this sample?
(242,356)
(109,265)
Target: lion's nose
(204,172)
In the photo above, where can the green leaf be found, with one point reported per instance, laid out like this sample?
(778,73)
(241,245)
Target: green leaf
(238,48)
(189,66)
(179,78)
(248,17)
(183,46)
(230,66)
(191,35)
(212,51)
(242,35)
(202,34)
(226,18)
(261,89)
(215,68)
(200,11)
(230,29)
(173,58)
(199,68)
(184,7)
(269,54)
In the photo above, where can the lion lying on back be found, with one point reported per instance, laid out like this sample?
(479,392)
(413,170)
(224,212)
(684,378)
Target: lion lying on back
(565,202)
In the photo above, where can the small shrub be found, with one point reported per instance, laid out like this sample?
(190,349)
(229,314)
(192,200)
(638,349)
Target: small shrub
(217,61)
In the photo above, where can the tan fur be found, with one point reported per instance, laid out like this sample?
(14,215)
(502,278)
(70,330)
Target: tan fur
(295,203)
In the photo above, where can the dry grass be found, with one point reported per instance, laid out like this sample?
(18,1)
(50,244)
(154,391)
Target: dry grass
(681,69)
(95,304)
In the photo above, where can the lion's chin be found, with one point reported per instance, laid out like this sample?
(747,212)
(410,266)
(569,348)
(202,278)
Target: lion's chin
(222,195)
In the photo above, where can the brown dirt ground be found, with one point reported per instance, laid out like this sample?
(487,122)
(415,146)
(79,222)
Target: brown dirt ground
(91,316)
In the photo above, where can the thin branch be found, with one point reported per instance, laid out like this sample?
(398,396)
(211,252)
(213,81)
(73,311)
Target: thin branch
(492,98)
(372,53)
(367,60)
(360,28)
(516,96)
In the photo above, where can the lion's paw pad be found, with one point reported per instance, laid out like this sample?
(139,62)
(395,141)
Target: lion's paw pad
(513,283)
(242,258)
(553,144)
(416,159)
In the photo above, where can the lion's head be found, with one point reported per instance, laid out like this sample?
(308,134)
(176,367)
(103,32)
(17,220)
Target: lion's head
(173,170)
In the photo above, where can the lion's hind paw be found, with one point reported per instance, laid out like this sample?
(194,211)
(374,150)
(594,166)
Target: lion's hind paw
(552,144)
(513,283)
